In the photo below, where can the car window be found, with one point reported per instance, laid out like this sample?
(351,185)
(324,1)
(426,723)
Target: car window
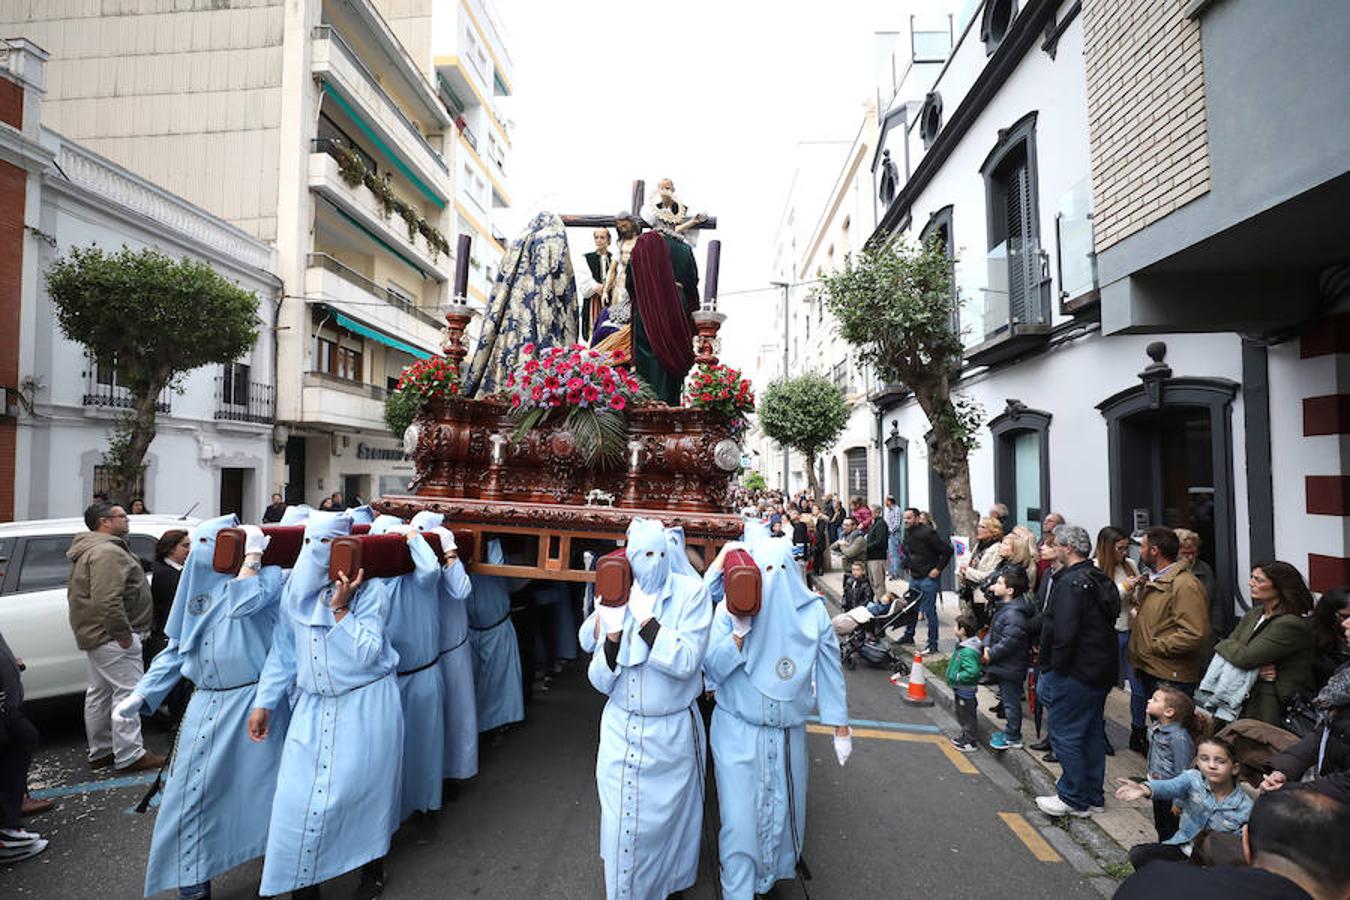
(6,554)
(143,545)
(44,564)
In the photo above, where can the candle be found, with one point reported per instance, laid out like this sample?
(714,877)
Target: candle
(462,266)
(710,278)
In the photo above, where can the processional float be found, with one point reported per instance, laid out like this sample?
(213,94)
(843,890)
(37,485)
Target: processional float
(537,491)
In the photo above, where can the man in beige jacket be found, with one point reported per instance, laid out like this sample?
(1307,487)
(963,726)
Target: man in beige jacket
(1171,621)
(110,613)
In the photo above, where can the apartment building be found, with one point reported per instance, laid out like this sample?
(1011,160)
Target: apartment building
(213,452)
(1144,204)
(312,126)
(462,46)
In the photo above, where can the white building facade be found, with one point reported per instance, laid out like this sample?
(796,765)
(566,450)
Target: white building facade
(1138,362)
(213,447)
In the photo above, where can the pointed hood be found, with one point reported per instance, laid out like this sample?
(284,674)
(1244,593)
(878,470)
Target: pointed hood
(310,575)
(295,515)
(780,649)
(198,584)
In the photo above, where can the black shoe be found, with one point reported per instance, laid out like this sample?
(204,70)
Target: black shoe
(1050,757)
(1139,739)
(1040,746)
(372,880)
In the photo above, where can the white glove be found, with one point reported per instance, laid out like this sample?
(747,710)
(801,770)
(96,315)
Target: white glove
(447,539)
(254,540)
(843,747)
(740,625)
(611,618)
(641,605)
(129,710)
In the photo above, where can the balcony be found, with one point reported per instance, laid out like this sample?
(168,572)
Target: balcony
(333,284)
(363,209)
(1075,251)
(356,90)
(888,395)
(329,400)
(101,391)
(245,401)
(1016,316)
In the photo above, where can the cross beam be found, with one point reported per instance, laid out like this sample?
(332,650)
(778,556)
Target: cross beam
(601,221)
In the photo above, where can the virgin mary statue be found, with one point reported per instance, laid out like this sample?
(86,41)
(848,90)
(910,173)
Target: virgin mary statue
(533,301)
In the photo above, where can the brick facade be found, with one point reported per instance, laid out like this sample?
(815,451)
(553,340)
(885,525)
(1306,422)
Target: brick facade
(1146,113)
(13,185)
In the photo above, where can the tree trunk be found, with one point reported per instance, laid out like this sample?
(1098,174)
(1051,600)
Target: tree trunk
(140,431)
(811,476)
(949,459)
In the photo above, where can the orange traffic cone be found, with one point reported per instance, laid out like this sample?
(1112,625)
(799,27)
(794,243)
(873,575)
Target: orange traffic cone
(918,686)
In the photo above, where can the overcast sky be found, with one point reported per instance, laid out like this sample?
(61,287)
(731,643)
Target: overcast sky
(715,95)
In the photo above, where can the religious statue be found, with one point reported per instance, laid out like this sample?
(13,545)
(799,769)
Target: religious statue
(592,279)
(613,329)
(670,216)
(889,178)
(533,301)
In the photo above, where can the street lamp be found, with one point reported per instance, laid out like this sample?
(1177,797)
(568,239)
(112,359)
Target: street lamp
(785,286)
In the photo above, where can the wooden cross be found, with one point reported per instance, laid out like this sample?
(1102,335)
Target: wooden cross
(639,188)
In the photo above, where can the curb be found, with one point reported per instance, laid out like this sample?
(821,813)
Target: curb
(1032,777)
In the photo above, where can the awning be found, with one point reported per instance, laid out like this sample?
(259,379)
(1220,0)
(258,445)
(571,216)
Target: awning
(366,331)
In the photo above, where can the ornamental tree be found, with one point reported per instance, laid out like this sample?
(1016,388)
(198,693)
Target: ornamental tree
(894,304)
(806,413)
(154,320)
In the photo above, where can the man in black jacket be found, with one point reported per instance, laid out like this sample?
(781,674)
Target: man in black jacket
(1078,660)
(878,537)
(926,555)
(18,741)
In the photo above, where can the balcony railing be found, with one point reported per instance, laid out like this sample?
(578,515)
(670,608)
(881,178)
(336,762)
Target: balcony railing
(1016,314)
(324,379)
(351,276)
(1075,251)
(328,32)
(98,392)
(245,401)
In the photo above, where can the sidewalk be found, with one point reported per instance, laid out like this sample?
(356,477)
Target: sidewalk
(1124,824)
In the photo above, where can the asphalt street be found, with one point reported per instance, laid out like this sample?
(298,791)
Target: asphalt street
(907,817)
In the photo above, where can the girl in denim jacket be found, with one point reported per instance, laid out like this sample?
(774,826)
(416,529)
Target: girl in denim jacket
(1209,797)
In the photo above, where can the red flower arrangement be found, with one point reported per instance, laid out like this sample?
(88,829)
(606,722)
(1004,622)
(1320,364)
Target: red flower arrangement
(719,389)
(433,378)
(585,388)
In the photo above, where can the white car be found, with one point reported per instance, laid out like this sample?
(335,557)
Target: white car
(34,616)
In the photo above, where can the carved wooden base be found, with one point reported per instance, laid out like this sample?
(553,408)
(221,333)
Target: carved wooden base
(556,527)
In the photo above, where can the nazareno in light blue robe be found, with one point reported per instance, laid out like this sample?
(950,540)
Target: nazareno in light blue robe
(651,762)
(413,631)
(456,668)
(788,667)
(455,664)
(499,692)
(220,629)
(337,797)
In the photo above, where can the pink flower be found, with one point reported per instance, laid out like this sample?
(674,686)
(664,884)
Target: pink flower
(511,380)
(590,393)
(515,401)
(609,385)
(551,382)
(532,365)
(528,349)
(536,392)
(573,397)
(587,368)
(617,401)
(574,384)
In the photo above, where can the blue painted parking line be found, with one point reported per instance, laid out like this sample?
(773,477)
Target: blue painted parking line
(89,787)
(893,726)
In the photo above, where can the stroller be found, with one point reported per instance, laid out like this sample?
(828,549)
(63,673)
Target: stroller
(876,638)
